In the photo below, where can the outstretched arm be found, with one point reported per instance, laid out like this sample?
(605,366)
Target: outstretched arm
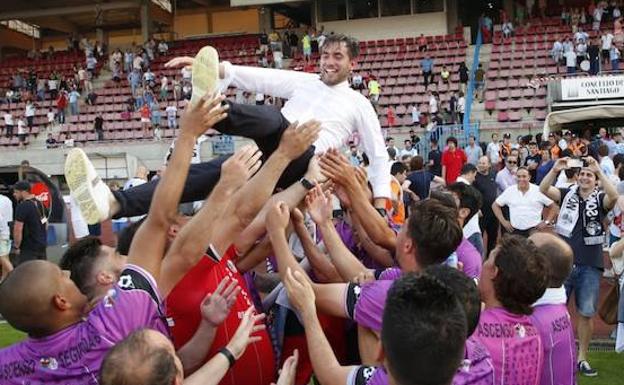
(546,187)
(148,246)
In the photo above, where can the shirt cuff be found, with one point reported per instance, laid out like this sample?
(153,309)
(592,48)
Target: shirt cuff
(229,72)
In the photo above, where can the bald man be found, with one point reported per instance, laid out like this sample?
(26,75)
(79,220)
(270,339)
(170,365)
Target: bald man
(550,313)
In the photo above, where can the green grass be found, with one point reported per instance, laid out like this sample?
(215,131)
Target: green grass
(8,335)
(608,364)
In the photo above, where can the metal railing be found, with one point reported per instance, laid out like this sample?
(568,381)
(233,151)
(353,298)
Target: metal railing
(471,84)
(441,133)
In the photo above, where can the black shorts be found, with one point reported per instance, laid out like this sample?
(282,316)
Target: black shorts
(605,54)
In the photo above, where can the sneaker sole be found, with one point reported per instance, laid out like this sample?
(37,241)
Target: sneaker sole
(205,73)
(589,374)
(79,174)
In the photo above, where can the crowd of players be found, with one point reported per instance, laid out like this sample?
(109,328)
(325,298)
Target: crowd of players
(410,296)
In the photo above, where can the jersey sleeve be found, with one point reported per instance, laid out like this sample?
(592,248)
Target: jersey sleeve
(361,375)
(134,303)
(369,306)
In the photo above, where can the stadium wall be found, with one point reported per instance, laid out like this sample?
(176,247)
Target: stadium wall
(433,23)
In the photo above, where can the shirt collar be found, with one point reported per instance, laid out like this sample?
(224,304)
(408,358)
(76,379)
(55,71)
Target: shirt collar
(553,296)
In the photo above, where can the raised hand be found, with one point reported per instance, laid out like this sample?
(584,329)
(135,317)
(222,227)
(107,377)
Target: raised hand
(593,165)
(300,292)
(561,164)
(241,166)
(289,370)
(297,138)
(198,118)
(244,334)
(314,173)
(319,205)
(216,306)
(337,168)
(277,217)
(296,216)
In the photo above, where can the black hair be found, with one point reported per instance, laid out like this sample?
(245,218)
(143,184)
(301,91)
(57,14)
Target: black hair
(434,229)
(468,168)
(353,46)
(464,288)
(79,260)
(424,331)
(397,168)
(451,139)
(522,274)
(125,237)
(469,197)
(618,159)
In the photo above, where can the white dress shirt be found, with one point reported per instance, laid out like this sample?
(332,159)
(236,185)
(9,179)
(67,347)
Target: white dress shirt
(525,209)
(341,111)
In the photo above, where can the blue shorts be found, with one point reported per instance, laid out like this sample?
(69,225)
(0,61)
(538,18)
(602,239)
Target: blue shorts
(584,282)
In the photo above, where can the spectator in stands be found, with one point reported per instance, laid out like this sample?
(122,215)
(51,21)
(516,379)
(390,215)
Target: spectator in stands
(61,105)
(422,43)
(583,209)
(128,61)
(614,57)
(98,126)
(8,123)
(479,82)
(138,63)
(570,57)
(116,69)
(176,87)
(426,65)
(473,150)
(116,58)
(278,59)
(306,44)
(134,78)
(146,119)
(556,53)
(445,75)
(171,111)
(186,74)
(74,98)
(156,117)
(607,43)
(8,96)
(408,148)
(507,176)
(91,98)
(453,159)
(507,29)
(51,117)
(69,141)
(606,163)
(433,102)
(41,89)
(293,41)
(149,79)
(91,63)
(597,17)
(357,83)
(29,113)
(461,107)
(51,142)
(415,115)
(374,90)
(21,131)
(463,76)
(163,48)
(187,91)
(164,88)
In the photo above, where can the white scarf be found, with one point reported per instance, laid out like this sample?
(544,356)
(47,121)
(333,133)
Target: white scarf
(593,232)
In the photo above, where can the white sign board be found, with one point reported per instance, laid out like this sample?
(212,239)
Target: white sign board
(242,3)
(599,87)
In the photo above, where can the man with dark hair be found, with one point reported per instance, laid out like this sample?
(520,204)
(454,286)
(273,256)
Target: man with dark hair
(30,225)
(550,313)
(476,366)
(434,163)
(419,180)
(430,235)
(396,207)
(583,208)
(467,174)
(513,278)
(486,184)
(453,158)
(469,203)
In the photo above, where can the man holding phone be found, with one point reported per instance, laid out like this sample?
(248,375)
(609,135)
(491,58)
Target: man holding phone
(583,209)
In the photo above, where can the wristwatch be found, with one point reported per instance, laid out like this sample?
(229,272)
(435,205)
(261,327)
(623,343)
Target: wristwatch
(548,222)
(307,184)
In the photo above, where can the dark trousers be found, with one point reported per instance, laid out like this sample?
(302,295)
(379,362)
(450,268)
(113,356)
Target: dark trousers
(428,77)
(524,233)
(490,226)
(264,124)
(26,255)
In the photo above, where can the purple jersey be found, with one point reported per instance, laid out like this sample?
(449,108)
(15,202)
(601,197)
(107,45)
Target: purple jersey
(368,375)
(477,367)
(74,355)
(365,304)
(470,257)
(390,273)
(555,328)
(514,344)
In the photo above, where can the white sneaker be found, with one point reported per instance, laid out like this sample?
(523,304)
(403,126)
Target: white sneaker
(205,73)
(88,190)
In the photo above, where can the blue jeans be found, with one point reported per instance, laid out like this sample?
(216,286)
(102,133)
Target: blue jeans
(73,107)
(584,281)
(615,64)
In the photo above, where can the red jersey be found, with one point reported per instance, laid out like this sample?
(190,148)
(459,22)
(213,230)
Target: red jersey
(454,161)
(257,365)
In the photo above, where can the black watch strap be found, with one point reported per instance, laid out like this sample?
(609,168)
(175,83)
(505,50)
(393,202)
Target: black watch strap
(307,184)
(228,355)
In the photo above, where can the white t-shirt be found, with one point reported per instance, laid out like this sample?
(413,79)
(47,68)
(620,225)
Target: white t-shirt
(8,119)
(461,105)
(30,110)
(69,142)
(138,63)
(50,115)
(21,127)
(606,41)
(171,111)
(607,166)
(525,210)
(6,216)
(186,73)
(52,84)
(570,58)
(492,152)
(433,105)
(164,83)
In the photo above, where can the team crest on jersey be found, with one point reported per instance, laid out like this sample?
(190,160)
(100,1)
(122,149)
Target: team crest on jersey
(465,366)
(109,299)
(367,373)
(231,266)
(49,363)
(125,282)
(520,331)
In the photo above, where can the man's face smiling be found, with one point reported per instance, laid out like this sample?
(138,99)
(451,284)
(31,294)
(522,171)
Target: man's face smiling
(336,65)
